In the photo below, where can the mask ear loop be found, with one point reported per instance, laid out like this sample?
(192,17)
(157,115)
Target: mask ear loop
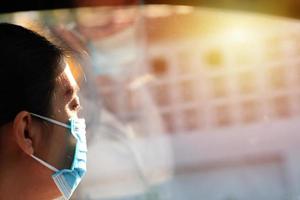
(54,122)
(51,120)
(44,163)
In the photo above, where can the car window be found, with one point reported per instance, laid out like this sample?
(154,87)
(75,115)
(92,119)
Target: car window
(183,102)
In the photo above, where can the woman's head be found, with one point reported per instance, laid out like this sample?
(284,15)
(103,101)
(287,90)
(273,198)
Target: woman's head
(29,65)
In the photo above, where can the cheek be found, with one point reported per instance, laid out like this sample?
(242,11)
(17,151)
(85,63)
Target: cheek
(60,108)
(62,147)
(69,150)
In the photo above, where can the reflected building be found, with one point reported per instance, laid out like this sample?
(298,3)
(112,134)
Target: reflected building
(225,87)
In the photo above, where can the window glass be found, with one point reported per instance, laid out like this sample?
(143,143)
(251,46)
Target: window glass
(183,102)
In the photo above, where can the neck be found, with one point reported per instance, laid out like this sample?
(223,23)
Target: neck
(24,178)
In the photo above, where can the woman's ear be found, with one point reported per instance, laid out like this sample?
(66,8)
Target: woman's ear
(22,128)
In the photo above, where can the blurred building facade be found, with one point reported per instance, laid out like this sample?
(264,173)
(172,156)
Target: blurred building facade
(229,98)
(225,86)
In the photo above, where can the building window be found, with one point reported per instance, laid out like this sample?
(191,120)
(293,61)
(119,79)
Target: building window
(187,90)
(218,86)
(159,66)
(246,82)
(276,76)
(223,115)
(249,111)
(214,59)
(161,94)
(185,65)
(191,119)
(169,122)
(281,107)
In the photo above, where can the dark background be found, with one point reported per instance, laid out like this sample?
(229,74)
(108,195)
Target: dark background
(287,8)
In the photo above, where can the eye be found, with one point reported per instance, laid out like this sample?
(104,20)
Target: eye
(69,92)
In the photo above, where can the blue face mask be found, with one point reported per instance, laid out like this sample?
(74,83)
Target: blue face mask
(67,180)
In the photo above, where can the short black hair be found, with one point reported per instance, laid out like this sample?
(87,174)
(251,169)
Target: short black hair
(29,65)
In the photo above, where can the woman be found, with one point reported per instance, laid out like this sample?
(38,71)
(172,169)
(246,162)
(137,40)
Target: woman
(42,142)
